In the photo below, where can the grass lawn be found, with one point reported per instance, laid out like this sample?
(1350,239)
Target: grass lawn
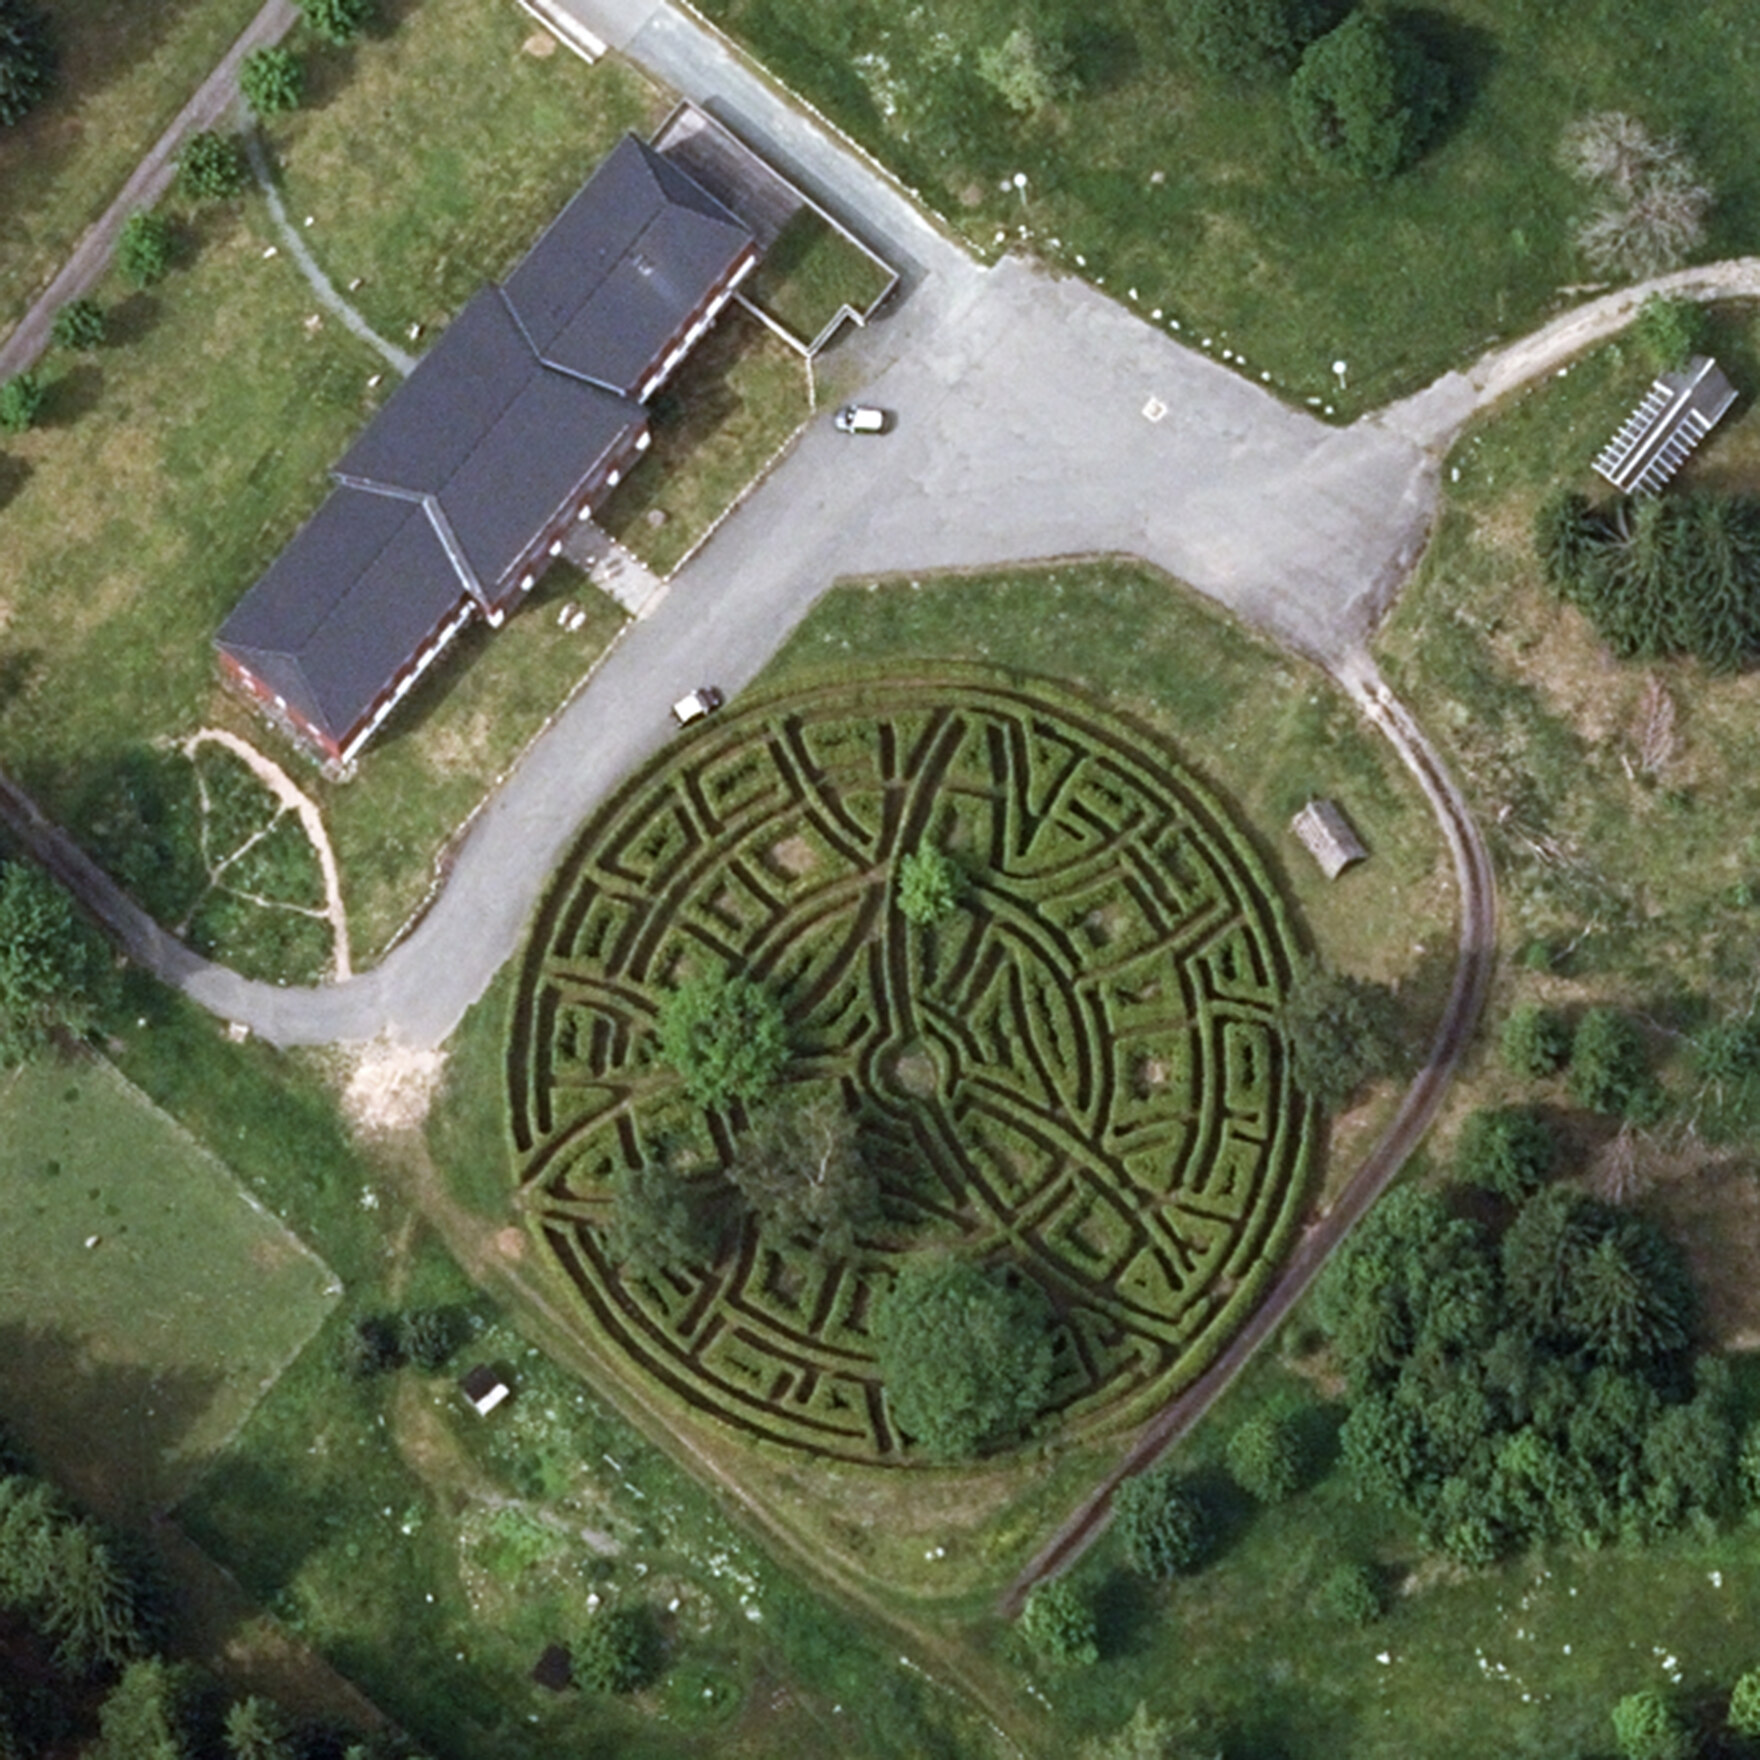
(733,403)
(146,1301)
(125,72)
(811,273)
(433,153)
(1190,189)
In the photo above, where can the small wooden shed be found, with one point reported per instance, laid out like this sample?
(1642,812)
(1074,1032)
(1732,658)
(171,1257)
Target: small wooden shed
(484,1388)
(1328,837)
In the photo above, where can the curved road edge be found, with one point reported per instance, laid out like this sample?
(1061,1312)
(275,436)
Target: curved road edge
(1477,885)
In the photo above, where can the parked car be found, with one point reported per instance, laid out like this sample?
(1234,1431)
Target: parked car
(859,418)
(704,700)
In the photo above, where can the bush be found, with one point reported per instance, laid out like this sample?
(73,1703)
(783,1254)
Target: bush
(211,167)
(1367,98)
(616,1652)
(21,402)
(1343,1032)
(1744,1704)
(55,971)
(143,249)
(725,1036)
(1058,1621)
(1352,1594)
(1670,331)
(1647,1727)
(428,1337)
(1026,70)
(1245,37)
(1651,205)
(79,324)
(27,59)
(369,1346)
(1265,1457)
(273,81)
(1609,1072)
(929,886)
(1162,1522)
(1535,1041)
(1508,1150)
(965,1352)
(337,21)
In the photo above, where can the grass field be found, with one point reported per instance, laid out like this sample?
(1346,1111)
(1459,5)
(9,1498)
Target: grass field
(145,1302)
(811,273)
(125,72)
(1189,189)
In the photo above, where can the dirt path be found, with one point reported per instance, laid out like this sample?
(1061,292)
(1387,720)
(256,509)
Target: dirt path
(295,800)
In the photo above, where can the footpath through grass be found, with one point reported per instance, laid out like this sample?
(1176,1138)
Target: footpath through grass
(145,1301)
(1186,193)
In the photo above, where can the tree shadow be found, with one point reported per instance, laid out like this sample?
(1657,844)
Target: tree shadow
(72,394)
(1469,52)
(1102,56)
(129,320)
(14,474)
(18,666)
(1127,1613)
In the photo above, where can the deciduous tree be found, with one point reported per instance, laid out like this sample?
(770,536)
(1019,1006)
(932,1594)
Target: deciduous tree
(337,21)
(1508,1150)
(1252,37)
(1058,1621)
(726,1036)
(1367,97)
(273,80)
(616,1651)
(1535,1041)
(661,1217)
(79,324)
(143,249)
(929,885)
(1343,1031)
(211,167)
(21,402)
(1646,1726)
(1163,1521)
(1265,1456)
(1027,70)
(800,1168)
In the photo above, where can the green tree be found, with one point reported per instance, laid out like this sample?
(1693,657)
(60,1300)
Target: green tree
(1351,1594)
(79,324)
(146,1714)
(1744,1704)
(337,21)
(1647,1727)
(21,402)
(273,80)
(370,1346)
(726,1036)
(1058,1621)
(27,59)
(1535,1041)
(1163,1522)
(54,970)
(1252,37)
(660,1217)
(801,1170)
(89,1606)
(1367,98)
(1670,331)
(211,167)
(1609,1070)
(1153,1738)
(1265,1456)
(1508,1150)
(143,249)
(616,1651)
(428,1337)
(966,1354)
(258,1729)
(1565,532)
(929,885)
(1343,1032)
(1027,70)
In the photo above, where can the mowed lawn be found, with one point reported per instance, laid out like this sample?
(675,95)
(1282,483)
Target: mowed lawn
(125,71)
(145,1301)
(1188,191)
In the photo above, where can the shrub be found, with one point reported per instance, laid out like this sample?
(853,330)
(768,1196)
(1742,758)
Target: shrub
(1535,1041)
(427,1337)
(337,21)
(1162,1522)
(27,59)
(211,167)
(929,886)
(1058,1621)
(1651,206)
(1352,1594)
(1744,1704)
(1670,331)
(1647,1727)
(1265,1457)
(1609,1072)
(55,972)
(965,1353)
(79,324)
(616,1652)
(273,81)
(725,1036)
(1026,70)
(369,1346)
(143,249)
(1367,98)
(21,402)
(1508,1150)
(1244,37)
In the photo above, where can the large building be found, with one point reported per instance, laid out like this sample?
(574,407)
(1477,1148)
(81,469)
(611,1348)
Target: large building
(526,412)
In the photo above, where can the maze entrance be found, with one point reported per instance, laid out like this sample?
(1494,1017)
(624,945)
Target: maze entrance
(1079,1073)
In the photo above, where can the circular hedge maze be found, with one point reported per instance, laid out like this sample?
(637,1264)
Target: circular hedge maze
(1079,1072)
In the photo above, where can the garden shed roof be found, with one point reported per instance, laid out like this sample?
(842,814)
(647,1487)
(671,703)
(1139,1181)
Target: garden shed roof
(484,1388)
(1328,837)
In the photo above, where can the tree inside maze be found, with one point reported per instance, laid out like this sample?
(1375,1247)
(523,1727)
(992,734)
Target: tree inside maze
(1075,1076)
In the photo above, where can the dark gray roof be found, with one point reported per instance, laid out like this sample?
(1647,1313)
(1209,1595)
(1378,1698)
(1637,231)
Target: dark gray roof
(623,266)
(499,441)
(1659,435)
(344,607)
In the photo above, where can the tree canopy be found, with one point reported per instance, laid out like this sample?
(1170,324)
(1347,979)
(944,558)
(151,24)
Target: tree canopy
(929,885)
(143,249)
(1058,1621)
(1265,1456)
(1248,37)
(1609,1069)
(78,324)
(661,1217)
(966,1353)
(211,166)
(27,59)
(337,21)
(1508,1150)
(726,1036)
(273,80)
(1367,98)
(800,1168)
(21,402)
(1164,1523)
(1535,1041)
(1647,1727)
(1343,1031)
(54,968)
